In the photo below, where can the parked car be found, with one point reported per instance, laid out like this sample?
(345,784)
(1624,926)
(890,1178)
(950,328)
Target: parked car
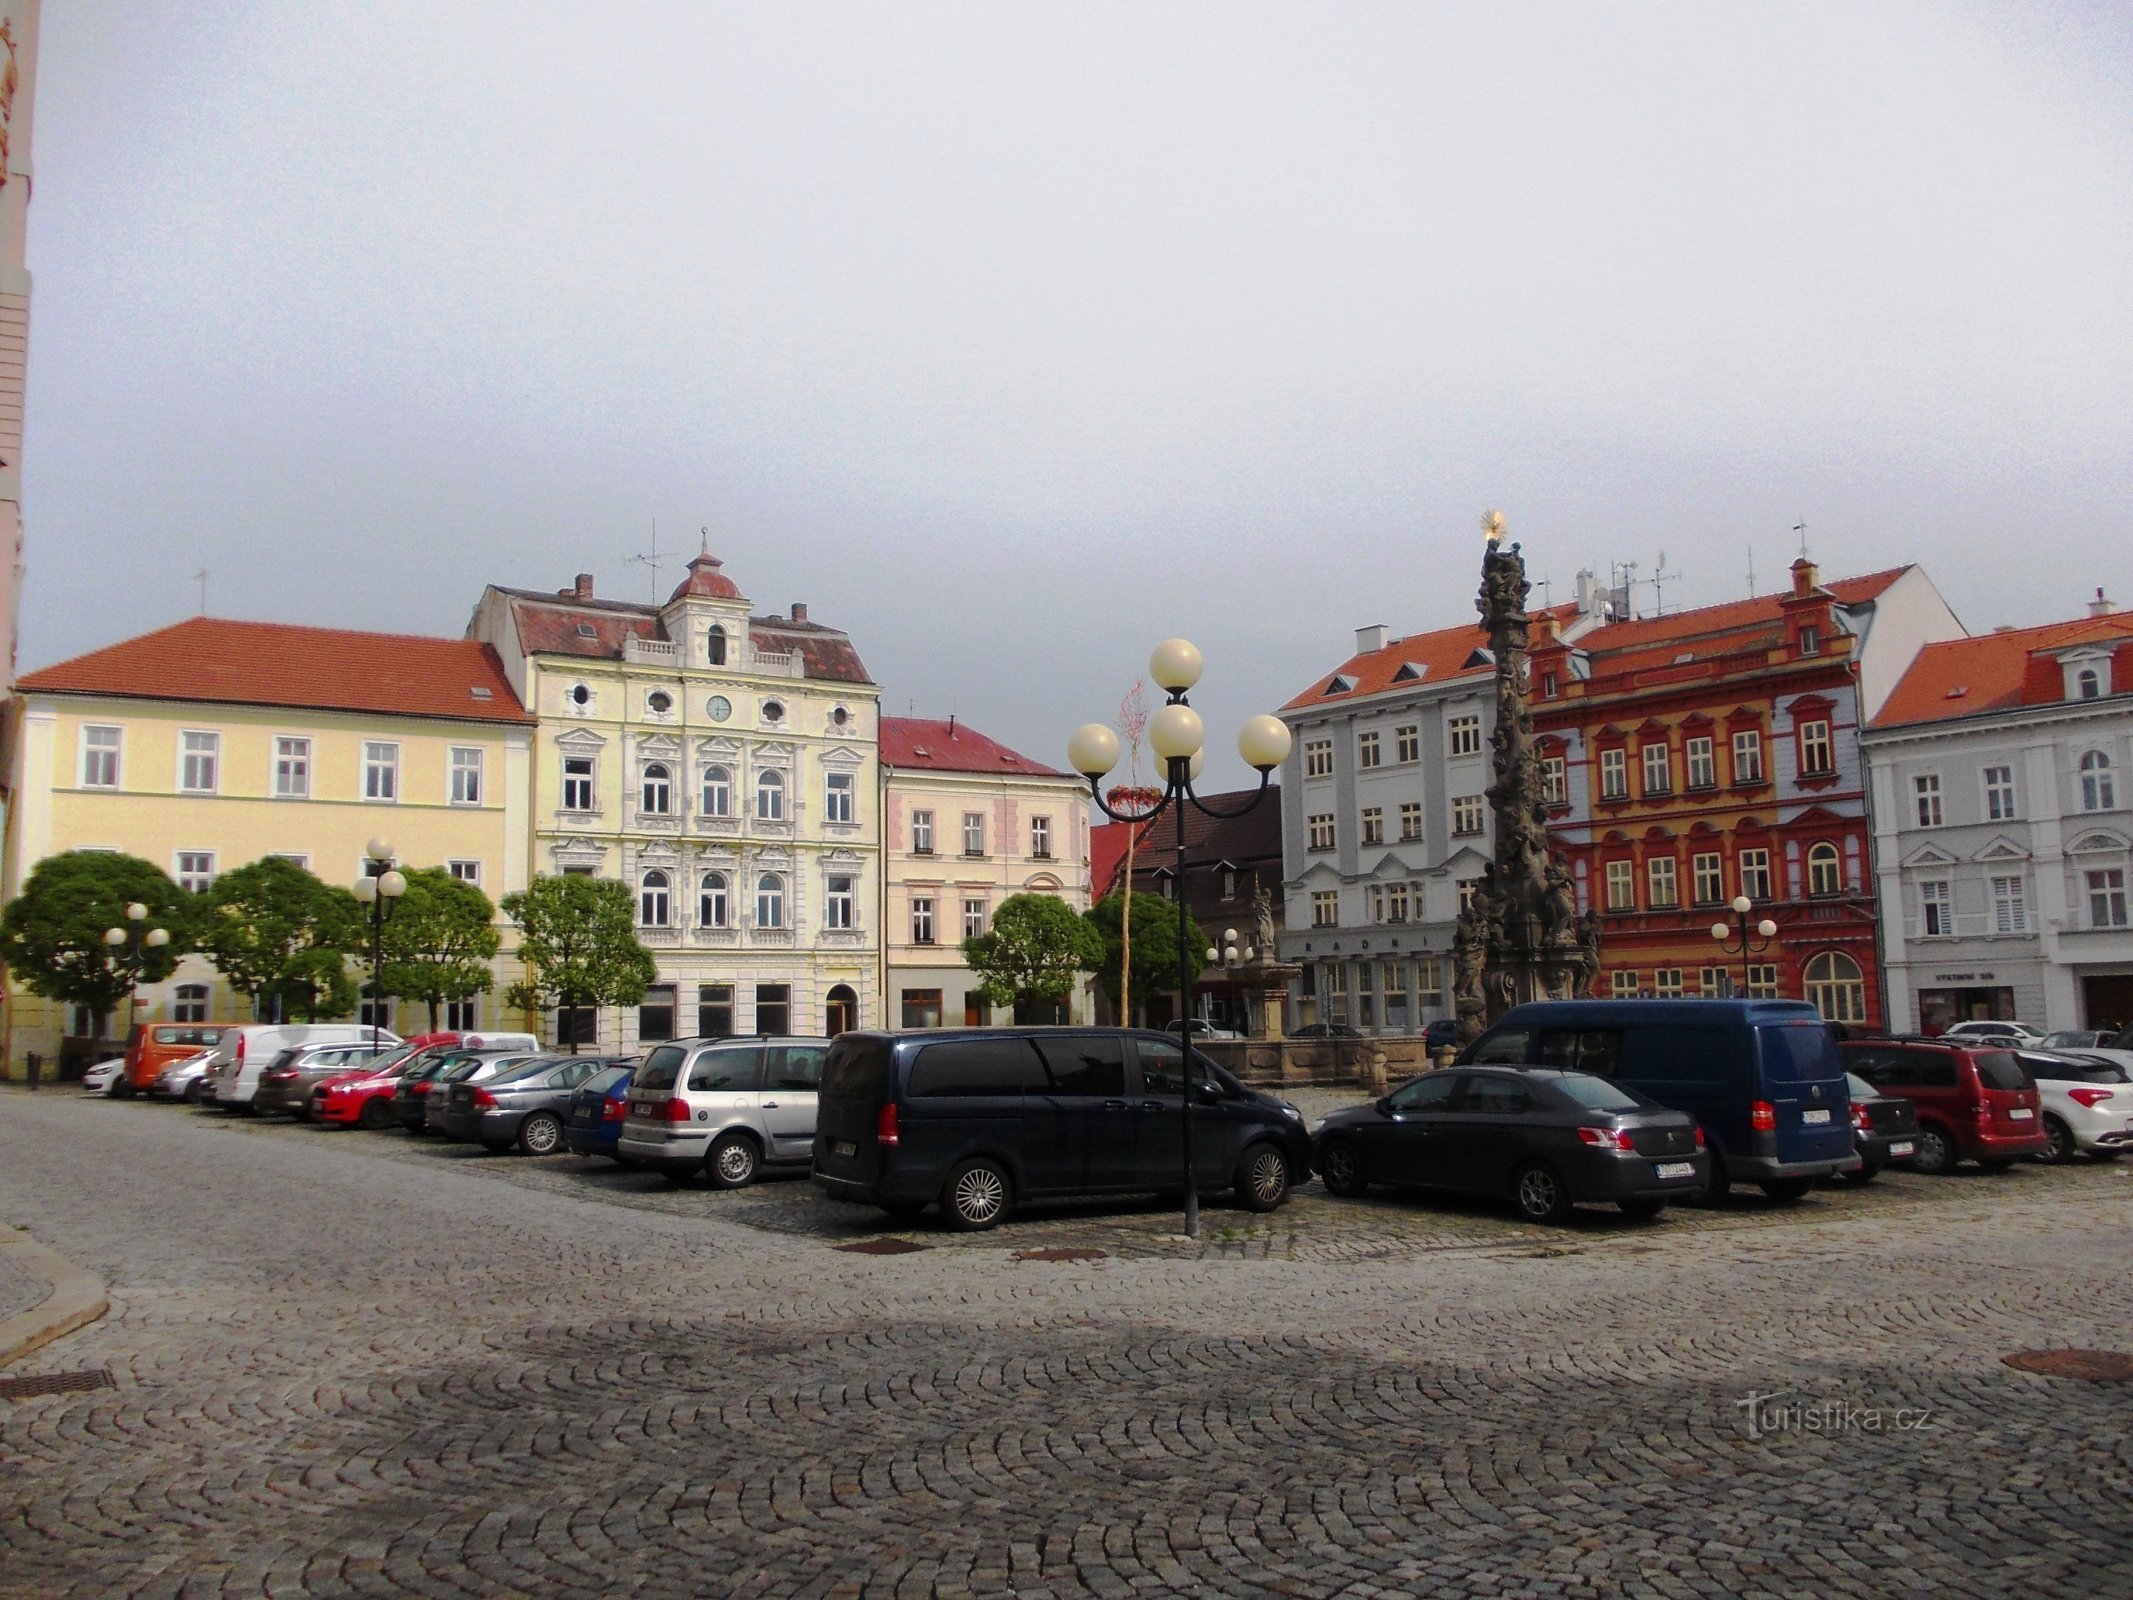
(1201,1029)
(412,1086)
(1761,1077)
(1325,1030)
(287,1083)
(1884,1128)
(1973,1099)
(1440,1033)
(592,1122)
(152,1046)
(2017,1032)
(2086,1103)
(1546,1140)
(982,1119)
(466,1066)
(242,1053)
(184,1079)
(2077,1039)
(523,1104)
(105,1077)
(723,1107)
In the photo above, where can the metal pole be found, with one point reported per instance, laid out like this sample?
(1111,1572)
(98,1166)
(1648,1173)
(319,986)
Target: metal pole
(1179,778)
(377,963)
(1744,986)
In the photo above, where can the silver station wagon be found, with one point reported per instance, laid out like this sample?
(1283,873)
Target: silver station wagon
(724,1107)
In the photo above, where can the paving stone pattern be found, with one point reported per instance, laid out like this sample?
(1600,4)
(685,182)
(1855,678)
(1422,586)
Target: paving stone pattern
(353,1364)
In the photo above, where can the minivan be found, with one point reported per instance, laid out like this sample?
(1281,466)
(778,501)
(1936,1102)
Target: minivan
(724,1107)
(243,1053)
(155,1045)
(1761,1077)
(980,1119)
(1973,1098)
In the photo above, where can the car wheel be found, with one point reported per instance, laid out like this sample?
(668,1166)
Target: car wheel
(2058,1142)
(1343,1164)
(375,1114)
(975,1196)
(195,1092)
(1718,1184)
(1540,1194)
(732,1162)
(540,1134)
(1867,1172)
(1786,1190)
(1262,1178)
(1932,1152)
(1642,1205)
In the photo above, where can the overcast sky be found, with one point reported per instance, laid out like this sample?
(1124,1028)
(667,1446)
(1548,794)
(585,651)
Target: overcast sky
(1016,338)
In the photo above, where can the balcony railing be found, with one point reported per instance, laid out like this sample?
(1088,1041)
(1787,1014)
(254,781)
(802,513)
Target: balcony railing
(651,652)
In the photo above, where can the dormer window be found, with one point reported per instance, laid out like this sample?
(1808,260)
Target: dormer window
(1810,640)
(715,645)
(2088,684)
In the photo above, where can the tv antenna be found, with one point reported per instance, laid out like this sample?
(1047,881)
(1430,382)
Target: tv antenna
(1751,570)
(1800,528)
(200,578)
(654,560)
(1659,579)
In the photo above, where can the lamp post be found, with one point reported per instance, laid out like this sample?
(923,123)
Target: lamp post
(129,948)
(380,889)
(1177,734)
(1746,941)
(1229,957)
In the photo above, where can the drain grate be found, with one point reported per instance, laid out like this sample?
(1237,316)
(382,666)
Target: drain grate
(1060,1252)
(2091,1366)
(880,1247)
(56,1383)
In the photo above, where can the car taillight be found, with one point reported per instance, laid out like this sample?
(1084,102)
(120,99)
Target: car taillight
(2088,1097)
(885,1126)
(1699,1136)
(614,1110)
(677,1110)
(1763,1117)
(1607,1138)
(240,1050)
(484,1099)
(1859,1118)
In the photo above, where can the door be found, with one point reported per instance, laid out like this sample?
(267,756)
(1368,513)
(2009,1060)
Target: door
(792,1075)
(1080,1129)
(1477,1142)
(1400,1144)
(1159,1129)
(723,1090)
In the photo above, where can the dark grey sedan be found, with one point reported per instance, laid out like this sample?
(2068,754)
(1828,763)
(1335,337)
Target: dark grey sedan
(523,1104)
(1542,1138)
(287,1083)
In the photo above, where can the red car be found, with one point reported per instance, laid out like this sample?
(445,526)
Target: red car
(1974,1100)
(347,1100)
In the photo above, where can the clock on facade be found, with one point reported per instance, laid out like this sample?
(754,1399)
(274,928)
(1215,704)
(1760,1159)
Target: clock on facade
(720,708)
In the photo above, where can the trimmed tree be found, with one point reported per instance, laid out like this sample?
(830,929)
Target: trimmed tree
(52,935)
(578,938)
(1036,949)
(274,929)
(439,941)
(1154,965)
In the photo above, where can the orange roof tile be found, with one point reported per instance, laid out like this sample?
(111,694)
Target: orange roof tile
(1682,628)
(1434,656)
(277,664)
(1995,671)
(920,743)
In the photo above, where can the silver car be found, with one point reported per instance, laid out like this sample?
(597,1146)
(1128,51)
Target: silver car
(468,1069)
(184,1079)
(724,1107)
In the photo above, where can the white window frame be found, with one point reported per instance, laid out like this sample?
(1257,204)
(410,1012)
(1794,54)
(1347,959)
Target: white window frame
(1040,838)
(1373,825)
(2106,887)
(1997,787)
(1369,750)
(840,905)
(716,790)
(655,901)
(1748,755)
(1662,877)
(714,900)
(1657,760)
(2010,903)
(1700,755)
(95,754)
(465,763)
(1936,908)
(1325,911)
(2099,781)
(1707,877)
(195,879)
(974,834)
(974,909)
(655,789)
(1621,881)
(1752,866)
(1462,734)
(770,900)
(1926,800)
(1410,820)
(770,782)
(194,761)
(1469,816)
(1614,774)
(923,925)
(1318,758)
(1817,739)
(466,869)
(839,797)
(922,833)
(586,783)
(1824,854)
(381,773)
(292,767)
(1407,743)
(1319,831)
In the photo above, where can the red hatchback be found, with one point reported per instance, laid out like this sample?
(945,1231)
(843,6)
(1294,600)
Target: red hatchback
(1974,1100)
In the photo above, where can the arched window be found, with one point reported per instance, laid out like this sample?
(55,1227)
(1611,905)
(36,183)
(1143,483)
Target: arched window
(1825,873)
(715,645)
(770,901)
(188,1003)
(713,909)
(2099,789)
(658,789)
(843,1012)
(770,796)
(718,792)
(652,899)
(1835,988)
(2088,684)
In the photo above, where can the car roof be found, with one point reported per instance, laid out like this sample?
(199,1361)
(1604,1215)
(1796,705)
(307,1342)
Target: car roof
(1674,1013)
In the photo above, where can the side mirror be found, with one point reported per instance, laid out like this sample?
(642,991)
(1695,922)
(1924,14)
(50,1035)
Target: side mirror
(1210,1094)
(1384,1105)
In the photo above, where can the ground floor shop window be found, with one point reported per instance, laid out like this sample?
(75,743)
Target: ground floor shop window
(773,1008)
(922,1009)
(1942,1007)
(842,1012)
(577,1026)
(462,1016)
(714,1010)
(976,1013)
(655,1013)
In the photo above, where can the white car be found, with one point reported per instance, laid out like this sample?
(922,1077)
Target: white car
(101,1078)
(2020,1033)
(184,1079)
(2087,1103)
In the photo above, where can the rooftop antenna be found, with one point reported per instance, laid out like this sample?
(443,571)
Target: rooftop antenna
(1751,569)
(654,560)
(706,532)
(1542,585)
(1659,578)
(200,578)
(1800,528)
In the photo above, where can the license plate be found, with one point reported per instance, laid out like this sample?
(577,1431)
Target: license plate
(1903,1149)
(582,1114)
(2019,1114)
(1814,1118)
(845,1147)
(1672,1169)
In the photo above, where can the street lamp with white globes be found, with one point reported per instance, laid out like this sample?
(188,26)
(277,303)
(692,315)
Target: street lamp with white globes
(129,948)
(1178,736)
(1746,941)
(380,889)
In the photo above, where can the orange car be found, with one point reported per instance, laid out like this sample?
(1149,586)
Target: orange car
(152,1046)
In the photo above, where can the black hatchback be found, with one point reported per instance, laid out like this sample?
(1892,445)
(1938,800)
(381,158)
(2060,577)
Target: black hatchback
(980,1119)
(1542,1138)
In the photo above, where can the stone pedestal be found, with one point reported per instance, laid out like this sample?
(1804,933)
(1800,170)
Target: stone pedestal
(1269,982)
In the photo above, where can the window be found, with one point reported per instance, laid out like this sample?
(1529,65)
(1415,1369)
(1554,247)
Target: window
(1661,882)
(1555,780)
(839,903)
(718,792)
(1367,751)
(922,1008)
(292,769)
(1835,987)
(2010,905)
(1040,838)
(1229,883)
(973,918)
(1469,890)
(1373,824)
(1763,981)
(1463,735)
(1708,876)
(2107,897)
(837,789)
(373,1013)
(1810,640)
(1999,794)
(1551,685)
(652,907)
(1824,871)
(463,1016)
(1407,743)
(2088,684)
(1466,814)
(2099,789)
(1666,983)
(973,833)
(773,1008)
(714,1010)
(922,919)
(580,695)
(773,711)
(1925,795)
(99,758)
(188,1003)
(1321,831)
(1621,886)
(577,783)
(656,793)
(1702,761)
(1817,756)
(714,907)
(1411,819)
(922,833)
(770,796)
(659,702)
(1715,983)
(465,871)
(295,858)
(196,870)
(1755,874)
(1318,758)
(466,775)
(381,771)
(715,645)
(770,901)
(1325,908)
(1377,902)
(1395,902)
(1748,756)
(1936,908)
(655,1014)
(201,756)
(1614,774)
(1658,769)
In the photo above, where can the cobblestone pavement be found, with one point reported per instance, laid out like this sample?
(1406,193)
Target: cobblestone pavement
(352,1364)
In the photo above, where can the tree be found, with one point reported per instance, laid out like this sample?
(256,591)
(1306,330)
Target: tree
(1154,967)
(52,935)
(440,941)
(276,931)
(578,938)
(1037,947)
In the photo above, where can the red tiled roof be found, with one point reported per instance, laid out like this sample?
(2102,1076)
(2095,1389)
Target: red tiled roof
(562,625)
(1253,837)
(1994,671)
(705,581)
(1440,655)
(922,744)
(1709,622)
(277,664)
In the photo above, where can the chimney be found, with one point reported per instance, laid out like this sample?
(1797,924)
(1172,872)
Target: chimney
(2101,606)
(1370,639)
(582,588)
(951,734)
(1806,577)
(799,614)
(1589,593)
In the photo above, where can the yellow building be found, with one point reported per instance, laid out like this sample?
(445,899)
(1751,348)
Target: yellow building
(210,744)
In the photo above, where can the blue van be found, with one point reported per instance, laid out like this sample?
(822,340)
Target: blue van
(1763,1077)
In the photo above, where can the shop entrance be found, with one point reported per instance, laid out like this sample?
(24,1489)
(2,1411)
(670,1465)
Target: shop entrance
(2107,1000)
(1941,1009)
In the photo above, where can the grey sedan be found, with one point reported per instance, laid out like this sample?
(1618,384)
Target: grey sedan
(522,1105)
(287,1083)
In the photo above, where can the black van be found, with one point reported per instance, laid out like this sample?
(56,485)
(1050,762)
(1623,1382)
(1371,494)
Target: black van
(980,1118)
(1763,1077)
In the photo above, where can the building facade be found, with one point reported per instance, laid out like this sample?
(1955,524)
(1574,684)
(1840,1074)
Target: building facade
(722,764)
(211,744)
(2002,772)
(966,822)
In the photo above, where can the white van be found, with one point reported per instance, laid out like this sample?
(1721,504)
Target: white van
(235,1064)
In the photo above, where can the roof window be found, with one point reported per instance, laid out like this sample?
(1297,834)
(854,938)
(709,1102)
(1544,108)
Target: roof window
(587,631)
(480,693)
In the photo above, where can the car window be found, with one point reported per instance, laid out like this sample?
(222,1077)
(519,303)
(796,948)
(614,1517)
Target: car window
(795,1067)
(726,1071)
(1435,1092)
(1496,1096)
(1163,1067)
(2001,1069)
(661,1067)
(1507,1046)
(1857,1087)
(1597,1094)
(1797,1052)
(1594,1050)
(1085,1063)
(606,1078)
(1925,1069)
(976,1068)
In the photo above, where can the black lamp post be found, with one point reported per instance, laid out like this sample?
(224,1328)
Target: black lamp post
(129,948)
(380,889)
(1746,941)
(1176,734)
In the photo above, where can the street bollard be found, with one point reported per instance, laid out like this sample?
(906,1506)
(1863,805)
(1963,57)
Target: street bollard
(35,1064)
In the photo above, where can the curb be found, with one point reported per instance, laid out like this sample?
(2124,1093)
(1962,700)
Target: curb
(77,1298)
